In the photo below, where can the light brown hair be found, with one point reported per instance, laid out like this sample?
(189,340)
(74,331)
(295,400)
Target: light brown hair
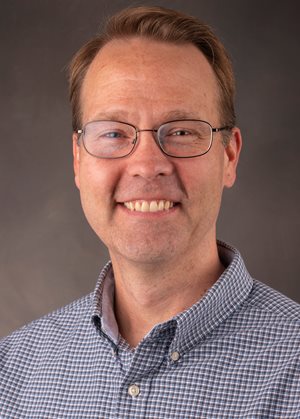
(164,25)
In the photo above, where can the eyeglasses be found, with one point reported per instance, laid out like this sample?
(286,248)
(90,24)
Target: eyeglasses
(182,139)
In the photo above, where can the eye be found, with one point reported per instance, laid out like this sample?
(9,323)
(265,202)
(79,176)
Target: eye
(113,134)
(180,132)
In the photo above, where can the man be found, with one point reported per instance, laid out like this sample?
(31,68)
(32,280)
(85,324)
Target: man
(176,326)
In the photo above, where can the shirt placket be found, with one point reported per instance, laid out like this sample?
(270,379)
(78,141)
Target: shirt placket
(135,389)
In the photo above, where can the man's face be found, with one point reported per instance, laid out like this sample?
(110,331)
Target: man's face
(146,83)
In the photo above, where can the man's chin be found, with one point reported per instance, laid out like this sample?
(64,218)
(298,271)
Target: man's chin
(144,255)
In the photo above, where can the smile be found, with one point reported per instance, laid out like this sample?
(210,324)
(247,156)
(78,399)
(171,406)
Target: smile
(149,206)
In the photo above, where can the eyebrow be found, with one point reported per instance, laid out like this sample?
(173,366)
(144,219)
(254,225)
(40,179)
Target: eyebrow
(180,114)
(116,115)
(124,116)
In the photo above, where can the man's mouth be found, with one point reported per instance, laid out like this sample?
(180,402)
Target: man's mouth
(149,206)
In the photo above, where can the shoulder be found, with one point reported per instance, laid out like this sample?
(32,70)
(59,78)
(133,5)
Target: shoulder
(48,331)
(273,304)
(271,319)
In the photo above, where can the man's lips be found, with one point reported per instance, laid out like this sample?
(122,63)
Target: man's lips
(149,205)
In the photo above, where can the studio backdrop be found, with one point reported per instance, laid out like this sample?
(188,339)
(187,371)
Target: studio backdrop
(49,256)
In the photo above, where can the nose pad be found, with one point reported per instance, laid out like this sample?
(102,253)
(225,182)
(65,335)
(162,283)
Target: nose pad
(151,141)
(147,159)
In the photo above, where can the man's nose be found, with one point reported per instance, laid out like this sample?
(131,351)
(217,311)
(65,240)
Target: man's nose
(147,159)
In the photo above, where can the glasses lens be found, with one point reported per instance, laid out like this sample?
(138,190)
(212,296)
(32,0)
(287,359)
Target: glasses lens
(185,138)
(108,139)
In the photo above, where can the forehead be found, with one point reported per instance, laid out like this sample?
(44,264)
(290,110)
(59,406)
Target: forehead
(141,73)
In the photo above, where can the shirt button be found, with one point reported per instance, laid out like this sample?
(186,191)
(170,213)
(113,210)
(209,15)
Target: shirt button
(133,390)
(175,356)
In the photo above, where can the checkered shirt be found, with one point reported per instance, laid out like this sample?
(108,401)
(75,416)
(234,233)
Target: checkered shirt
(233,354)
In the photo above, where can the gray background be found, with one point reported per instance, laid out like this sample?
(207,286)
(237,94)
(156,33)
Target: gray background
(48,255)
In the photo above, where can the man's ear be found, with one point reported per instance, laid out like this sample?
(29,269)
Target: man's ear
(76,159)
(232,153)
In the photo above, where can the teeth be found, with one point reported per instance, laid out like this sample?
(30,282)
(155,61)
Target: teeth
(161,205)
(149,206)
(145,206)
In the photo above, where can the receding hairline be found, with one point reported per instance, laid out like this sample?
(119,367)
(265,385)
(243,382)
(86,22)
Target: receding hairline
(164,25)
(116,40)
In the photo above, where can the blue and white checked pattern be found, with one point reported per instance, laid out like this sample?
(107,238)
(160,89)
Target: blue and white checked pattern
(238,351)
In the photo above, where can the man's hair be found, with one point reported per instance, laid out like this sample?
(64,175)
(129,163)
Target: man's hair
(159,24)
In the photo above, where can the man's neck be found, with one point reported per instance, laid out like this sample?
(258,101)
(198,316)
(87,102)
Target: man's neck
(147,296)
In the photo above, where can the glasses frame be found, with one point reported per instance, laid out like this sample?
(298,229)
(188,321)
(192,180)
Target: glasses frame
(80,134)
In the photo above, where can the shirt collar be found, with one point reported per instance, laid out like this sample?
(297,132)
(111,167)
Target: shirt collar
(103,315)
(197,322)
(220,302)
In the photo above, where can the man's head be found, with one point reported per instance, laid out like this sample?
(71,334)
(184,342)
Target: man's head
(149,207)
(163,25)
